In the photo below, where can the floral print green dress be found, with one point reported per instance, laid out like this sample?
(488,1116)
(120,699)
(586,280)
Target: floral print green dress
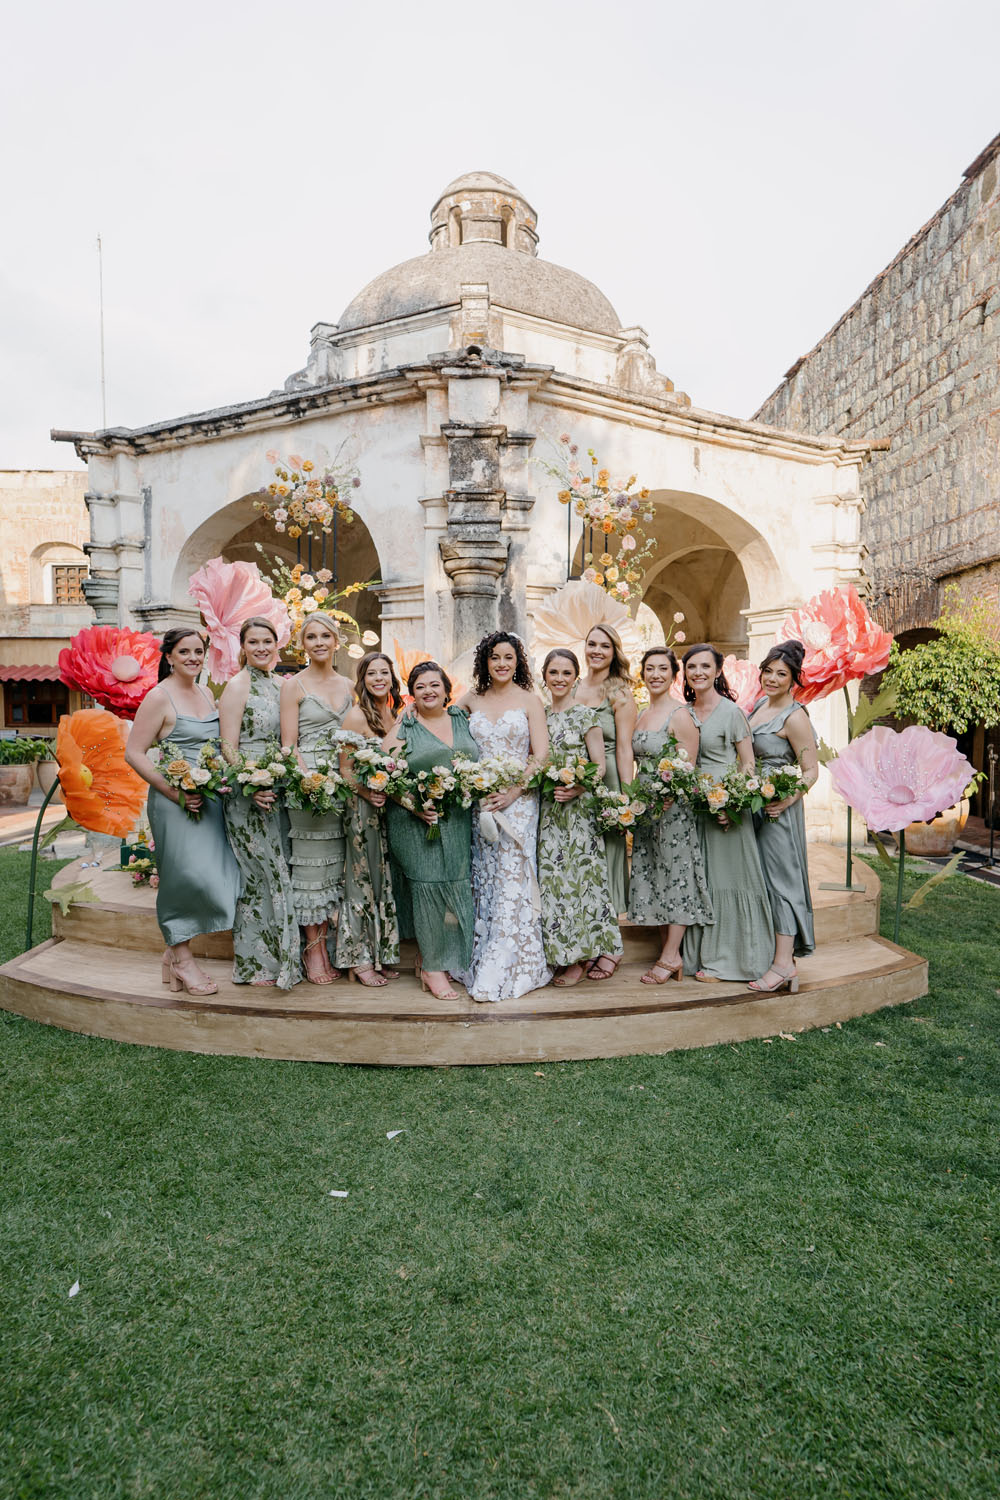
(368,932)
(615,846)
(579,921)
(668,883)
(265,930)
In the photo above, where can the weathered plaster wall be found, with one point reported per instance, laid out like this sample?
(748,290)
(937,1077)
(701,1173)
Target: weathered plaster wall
(916,360)
(43,520)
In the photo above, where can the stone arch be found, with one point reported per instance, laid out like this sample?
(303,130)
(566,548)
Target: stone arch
(234,532)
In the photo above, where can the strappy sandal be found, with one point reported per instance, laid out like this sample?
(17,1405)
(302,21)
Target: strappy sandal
(180,981)
(562,980)
(791,979)
(669,971)
(598,974)
(369,977)
(425,984)
(327,976)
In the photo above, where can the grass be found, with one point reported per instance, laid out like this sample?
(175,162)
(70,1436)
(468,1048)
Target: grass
(763,1270)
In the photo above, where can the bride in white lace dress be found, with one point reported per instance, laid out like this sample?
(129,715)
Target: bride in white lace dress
(506,718)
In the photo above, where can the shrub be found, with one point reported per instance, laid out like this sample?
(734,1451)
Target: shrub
(951,683)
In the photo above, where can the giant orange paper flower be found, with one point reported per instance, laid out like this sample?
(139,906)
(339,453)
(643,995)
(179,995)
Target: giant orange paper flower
(843,643)
(100,790)
(115,667)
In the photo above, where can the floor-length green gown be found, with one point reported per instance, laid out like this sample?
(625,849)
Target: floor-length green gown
(265,929)
(667,883)
(199,878)
(434,897)
(317,842)
(368,930)
(578,919)
(781,842)
(740,944)
(615,847)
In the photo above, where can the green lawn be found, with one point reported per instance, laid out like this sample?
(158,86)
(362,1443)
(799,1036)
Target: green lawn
(763,1270)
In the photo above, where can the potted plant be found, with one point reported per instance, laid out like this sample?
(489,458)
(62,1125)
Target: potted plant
(47,768)
(17,769)
(950,684)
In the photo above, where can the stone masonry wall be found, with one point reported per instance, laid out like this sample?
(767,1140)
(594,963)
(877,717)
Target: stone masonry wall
(916,361)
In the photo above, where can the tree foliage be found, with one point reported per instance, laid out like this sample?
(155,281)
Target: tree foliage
(953,682)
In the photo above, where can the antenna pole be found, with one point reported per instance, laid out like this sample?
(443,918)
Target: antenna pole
(100,287)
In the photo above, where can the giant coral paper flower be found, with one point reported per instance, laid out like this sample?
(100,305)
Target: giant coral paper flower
(228,594)
(897,778)
(99,789)
(115,667)
(843,643)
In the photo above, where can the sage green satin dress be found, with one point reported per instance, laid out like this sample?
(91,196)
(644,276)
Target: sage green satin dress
(615,847)
(434,891)
(740,944)
(317,842)
(199,878)
(781,842)
(265,929)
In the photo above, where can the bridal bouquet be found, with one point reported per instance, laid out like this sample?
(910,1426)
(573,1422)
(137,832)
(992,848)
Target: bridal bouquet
(481,778)
(780,782)
(271,771)
(209,777)
(318,791)
(616,812)
(378,770)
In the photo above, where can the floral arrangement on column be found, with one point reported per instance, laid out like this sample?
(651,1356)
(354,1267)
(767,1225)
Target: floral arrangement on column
(613,512)
(301,498)
(301,593)
(227,594)
(115,667)
(896,778)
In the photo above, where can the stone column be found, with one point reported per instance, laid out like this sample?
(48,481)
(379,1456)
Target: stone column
(474,549)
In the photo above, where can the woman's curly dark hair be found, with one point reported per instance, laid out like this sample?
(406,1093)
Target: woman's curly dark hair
(481,661)
(720,684)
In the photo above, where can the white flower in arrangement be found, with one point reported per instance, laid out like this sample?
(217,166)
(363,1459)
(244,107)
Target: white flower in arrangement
(369,638)
(679,618)
(276,768)
(307,582)
(261,777)
(355,652)
(199,775)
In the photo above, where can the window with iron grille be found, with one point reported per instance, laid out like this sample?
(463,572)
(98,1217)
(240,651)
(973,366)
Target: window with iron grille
(67,585)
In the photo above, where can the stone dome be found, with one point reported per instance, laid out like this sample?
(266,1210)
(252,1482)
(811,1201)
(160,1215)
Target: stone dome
(482,232)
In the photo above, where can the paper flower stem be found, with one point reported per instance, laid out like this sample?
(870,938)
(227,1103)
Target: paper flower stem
(899,883)
(850,726)
(29,933)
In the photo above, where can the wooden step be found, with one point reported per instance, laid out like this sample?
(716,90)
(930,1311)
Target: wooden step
(113,991)
(125,915)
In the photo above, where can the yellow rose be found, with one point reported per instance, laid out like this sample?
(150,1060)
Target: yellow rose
(308,466)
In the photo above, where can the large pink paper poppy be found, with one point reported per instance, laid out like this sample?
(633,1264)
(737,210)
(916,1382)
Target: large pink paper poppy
(115,667)
(896,778)
(228,594)
(843,643)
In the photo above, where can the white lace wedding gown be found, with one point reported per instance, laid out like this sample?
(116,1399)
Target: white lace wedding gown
(508,956)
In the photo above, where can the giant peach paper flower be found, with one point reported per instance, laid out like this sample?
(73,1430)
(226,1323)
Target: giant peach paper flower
(896,778)
(228,594)
(100,790)
(115,667)
(843,643)
(569,615)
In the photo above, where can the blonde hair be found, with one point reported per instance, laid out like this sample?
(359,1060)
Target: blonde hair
(620,666)
(320,617)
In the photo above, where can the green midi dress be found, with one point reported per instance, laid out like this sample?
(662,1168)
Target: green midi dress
(317,858)
(434,893)
(740,944)
(265,928)
(199,878)
(668,882)
(368,930)
(781,842)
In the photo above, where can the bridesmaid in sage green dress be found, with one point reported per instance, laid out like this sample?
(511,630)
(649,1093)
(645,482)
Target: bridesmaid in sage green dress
(265,931)
(783,736)
(668,886)
(434,899)
(368,931)
(313,705)
(578,921)
(740,944)
(607,689)
(199,878)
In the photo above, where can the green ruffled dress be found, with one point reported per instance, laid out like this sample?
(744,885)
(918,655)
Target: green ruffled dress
(317,842)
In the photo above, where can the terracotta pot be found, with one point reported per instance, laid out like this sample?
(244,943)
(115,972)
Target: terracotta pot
(940,836)
(47,772)
(15,785)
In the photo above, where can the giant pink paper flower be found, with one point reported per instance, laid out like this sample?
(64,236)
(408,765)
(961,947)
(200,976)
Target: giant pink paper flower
(115,667)
(843,643)
(743,677)
(228,594)
(897,778)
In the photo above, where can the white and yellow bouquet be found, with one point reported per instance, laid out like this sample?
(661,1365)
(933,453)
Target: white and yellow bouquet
(270,771)
(779,782)
(616,812)
(662,779)
(318,791)
(433,791)
(378,770)
(208,777)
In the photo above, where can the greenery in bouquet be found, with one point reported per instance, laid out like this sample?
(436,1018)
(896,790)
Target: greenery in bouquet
(378,770)
(779,782)
(616,812)
(736,793)
(142,868)
(659,780)
(302,498)
(566,768)
(610,508)
(434,791)
(209,777)
(320,790)
(271,771)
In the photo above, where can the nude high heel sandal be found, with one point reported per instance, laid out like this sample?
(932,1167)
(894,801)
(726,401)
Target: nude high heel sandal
(444,995)
(792,981)
(180,981)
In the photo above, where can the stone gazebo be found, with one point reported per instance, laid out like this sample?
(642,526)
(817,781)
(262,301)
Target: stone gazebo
(445,380)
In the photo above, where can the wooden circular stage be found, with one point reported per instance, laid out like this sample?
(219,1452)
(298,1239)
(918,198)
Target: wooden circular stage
(100,975)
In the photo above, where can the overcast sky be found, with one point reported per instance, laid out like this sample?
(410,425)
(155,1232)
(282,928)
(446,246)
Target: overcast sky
(730,175)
